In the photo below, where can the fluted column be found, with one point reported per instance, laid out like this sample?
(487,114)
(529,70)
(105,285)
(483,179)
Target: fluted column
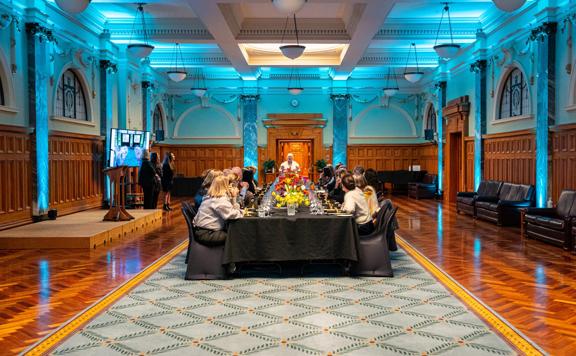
(440,130)
(340,103)
(146,114)
(250,130)
(479,68)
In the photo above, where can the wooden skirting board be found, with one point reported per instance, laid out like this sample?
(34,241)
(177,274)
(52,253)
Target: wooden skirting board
(81,230)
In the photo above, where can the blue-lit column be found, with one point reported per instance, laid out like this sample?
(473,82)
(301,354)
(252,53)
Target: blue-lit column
(146,114)
(340,103)
(479,68)
(545,36)
(37,37)
(107,68)
(441,86)
(250,130)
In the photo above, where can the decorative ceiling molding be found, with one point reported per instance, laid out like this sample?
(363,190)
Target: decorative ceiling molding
(308,29)
(424,31)
(161,60)
(374,59)
(164,34)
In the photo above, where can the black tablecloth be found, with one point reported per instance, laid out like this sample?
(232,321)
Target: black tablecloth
(303,237)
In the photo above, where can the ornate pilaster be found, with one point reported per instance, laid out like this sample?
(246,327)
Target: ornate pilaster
(441,87)
(37,37)
(340,103)
(146,114)
(545,37)
(250,129)
(107,69)
(479,69)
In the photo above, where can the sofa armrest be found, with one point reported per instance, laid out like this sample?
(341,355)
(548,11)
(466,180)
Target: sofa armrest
(427,186)
(466,194)
(541,211)
(514,203)
(487,199)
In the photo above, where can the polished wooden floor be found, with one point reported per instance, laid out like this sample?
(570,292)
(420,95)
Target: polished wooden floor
(531,284)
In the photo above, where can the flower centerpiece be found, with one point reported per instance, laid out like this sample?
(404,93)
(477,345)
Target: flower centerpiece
(291,191)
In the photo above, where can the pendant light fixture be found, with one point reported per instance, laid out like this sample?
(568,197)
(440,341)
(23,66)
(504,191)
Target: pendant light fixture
(413,76)
(391,86)
(288,6)
(140,50)
(292,51)
(177,74)
(199,89)
(73,6)
(294,85)
(509,5)
(446,50)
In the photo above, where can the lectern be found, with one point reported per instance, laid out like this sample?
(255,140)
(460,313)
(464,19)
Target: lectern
(117,210)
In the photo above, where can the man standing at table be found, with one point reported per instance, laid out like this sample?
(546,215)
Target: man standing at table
(290,164)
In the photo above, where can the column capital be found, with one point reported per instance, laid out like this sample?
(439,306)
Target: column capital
(479,66)
(36,29)
(340,96)
(109,66)
(440,85)
(147,84)
(544,30)
(249,97)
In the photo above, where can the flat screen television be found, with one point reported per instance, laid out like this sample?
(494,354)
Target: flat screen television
(126,147)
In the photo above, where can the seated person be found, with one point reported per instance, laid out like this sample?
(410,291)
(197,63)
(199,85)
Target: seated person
(248,178)
(369,193)
(355,203)
(216,209)
(372,179)
(336,193)
(208,178)
(290,164)
(327,179)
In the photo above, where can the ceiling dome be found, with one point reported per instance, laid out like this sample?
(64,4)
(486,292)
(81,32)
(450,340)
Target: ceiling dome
(73,6)
(509,5)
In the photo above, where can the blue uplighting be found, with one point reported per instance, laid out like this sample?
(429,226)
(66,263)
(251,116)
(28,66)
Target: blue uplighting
(340,144)
(477,248)
(44,274)
(250,136)
(439,130)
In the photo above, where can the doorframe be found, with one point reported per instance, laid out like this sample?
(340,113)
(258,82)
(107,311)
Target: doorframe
(310,141)
(456,114)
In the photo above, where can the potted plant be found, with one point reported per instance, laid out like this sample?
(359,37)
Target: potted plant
(269,166)
(320,164)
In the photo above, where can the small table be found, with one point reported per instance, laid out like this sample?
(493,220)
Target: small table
(303,237)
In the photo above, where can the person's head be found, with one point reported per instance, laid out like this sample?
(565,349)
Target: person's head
(154,158)
(145,154)
(210,178)
(328,172)
(219,187)
(232,178)
(290,157)
(237,171)
(372,178)
(348,183)
(358,170)
(169,158)
(360,181)
(247,175)
(226,171)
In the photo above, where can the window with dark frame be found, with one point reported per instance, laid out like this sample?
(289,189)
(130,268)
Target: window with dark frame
(2,100)
(157,122)
(514,98)
(70,97)
(431,118)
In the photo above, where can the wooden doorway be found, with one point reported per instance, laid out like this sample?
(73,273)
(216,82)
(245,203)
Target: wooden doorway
(302,150)
(455,148)
(456,114)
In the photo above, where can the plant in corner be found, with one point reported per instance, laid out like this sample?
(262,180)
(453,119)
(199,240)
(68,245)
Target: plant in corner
(320,164)
(269,165)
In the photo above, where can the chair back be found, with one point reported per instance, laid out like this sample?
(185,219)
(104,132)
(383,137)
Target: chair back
(189,215)
(430,179)
(489,188)
(380,223)
(566,206)
(389,233)
(516,192)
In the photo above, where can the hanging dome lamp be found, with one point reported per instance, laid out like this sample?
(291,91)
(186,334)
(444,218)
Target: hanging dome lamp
(199,88)
(288,6)
(143,49)
(391,85)
(73,6)
(294,85)
(509,5)
(177,73)
(413,76)
(446,50)
(292,51)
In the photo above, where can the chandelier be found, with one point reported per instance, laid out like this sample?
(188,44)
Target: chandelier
(177,74)
(288,6)
(446,50)
(73,6)
(294,85)
(140,50)
(391,85)
(411,75)
(509,5)
(199,88)
(292,51)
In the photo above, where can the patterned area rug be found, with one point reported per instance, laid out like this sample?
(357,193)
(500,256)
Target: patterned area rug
(410,314)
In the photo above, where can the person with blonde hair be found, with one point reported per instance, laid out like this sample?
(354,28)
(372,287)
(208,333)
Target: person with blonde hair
(218,207)
(208,178)
(369,192)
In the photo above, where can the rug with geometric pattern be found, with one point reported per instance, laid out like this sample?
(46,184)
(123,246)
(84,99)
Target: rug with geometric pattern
(410,314)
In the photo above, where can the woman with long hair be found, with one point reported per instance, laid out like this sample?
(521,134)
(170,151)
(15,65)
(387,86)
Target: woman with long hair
(206,183)
(147,180)
(167,178)
(155,160)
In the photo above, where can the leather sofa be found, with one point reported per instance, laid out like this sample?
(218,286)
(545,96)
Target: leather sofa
(505,208)
(466,201)
(573,241)
(553,225)
(400,179)
(425,189)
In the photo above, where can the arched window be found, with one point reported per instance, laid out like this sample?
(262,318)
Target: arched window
(157,122)
(70,97)
(430,120)
(515,96)
(2,99)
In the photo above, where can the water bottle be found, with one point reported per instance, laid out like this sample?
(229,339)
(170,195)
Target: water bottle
(550,204)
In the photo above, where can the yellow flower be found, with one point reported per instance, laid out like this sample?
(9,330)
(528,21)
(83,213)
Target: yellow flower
(278,205)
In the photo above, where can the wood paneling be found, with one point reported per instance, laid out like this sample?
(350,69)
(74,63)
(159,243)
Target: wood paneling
(563,159)
(510,157)
(469,164)
(456,114)
(387,157)
(192,160)
(76,179)
(15,177)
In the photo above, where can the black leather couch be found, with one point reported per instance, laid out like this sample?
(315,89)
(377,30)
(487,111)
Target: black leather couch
(400,179)
(425,189)
(466,201)
(573,241)
(505,209)
(553,225)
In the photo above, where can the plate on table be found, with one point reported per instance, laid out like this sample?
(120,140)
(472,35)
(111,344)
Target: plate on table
(343,214)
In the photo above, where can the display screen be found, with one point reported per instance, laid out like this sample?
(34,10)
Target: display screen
(126,147)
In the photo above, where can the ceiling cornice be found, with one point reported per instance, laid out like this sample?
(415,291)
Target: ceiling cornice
(324,30)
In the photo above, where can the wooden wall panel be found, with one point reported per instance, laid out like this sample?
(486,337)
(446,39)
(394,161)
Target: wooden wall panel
(469,164)
(15,177)
(76,178)
(563,159)
(510,157)
(387,157)
(192,160)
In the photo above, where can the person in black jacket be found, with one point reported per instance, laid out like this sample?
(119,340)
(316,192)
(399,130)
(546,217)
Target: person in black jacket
(167,178)
(155,160)
(147,179)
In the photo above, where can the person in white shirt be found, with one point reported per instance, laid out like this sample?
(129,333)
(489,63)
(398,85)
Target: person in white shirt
(355,203)
(216,209)
(290,164)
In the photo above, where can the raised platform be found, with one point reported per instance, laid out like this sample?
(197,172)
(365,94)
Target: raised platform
(81,230)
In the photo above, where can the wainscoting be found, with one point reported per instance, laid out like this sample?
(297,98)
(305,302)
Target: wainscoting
(386,157)
(15,176)
(192,160)
(76,179)
(510,157)
(563,159)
